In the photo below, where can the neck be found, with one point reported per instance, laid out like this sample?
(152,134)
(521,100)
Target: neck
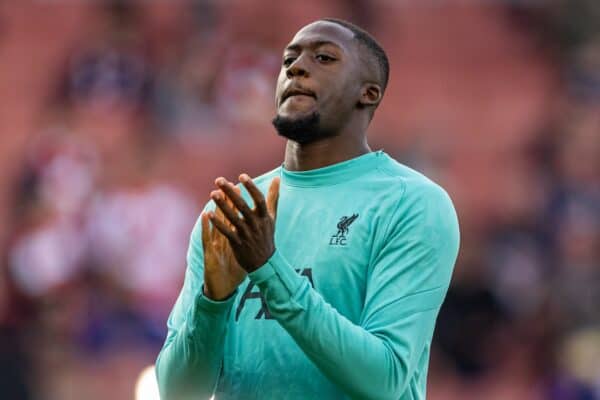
(319,154)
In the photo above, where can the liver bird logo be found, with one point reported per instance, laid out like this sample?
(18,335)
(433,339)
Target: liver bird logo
(343,227)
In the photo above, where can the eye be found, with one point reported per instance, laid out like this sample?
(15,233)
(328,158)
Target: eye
(287,61)
(324,58)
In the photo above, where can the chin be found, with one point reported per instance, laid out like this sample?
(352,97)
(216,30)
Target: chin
(303,128)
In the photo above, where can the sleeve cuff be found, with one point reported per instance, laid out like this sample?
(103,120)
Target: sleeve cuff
(204,304)
(277,266)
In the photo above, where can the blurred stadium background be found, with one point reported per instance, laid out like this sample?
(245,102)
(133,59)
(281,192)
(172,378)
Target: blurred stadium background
(115,117)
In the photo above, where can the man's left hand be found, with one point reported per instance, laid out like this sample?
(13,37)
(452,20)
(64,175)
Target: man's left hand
(252,230)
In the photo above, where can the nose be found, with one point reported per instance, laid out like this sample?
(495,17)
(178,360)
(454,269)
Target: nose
(297,68)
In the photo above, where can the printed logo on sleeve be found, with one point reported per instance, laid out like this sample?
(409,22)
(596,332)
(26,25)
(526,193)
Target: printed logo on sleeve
(253,293)
(339,239)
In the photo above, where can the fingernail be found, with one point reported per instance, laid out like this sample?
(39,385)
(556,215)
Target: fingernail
(220,181)
(244,178)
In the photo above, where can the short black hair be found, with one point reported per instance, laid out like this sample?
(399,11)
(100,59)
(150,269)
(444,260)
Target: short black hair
(366,39)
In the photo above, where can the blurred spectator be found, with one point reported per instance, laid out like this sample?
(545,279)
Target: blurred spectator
(108,164)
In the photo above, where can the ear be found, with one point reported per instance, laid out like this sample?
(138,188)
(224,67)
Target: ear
(370,95)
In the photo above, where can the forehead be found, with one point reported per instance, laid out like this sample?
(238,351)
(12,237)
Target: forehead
(324,31)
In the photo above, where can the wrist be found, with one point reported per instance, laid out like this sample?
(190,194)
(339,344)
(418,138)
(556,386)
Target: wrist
(258,265)
(215,296)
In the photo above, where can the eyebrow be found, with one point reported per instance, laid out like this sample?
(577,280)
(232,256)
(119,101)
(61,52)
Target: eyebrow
(315,44)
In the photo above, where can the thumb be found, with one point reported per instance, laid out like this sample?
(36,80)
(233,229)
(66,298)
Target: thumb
(273,197)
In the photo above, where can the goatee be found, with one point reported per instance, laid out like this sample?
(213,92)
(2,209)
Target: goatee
(303,130)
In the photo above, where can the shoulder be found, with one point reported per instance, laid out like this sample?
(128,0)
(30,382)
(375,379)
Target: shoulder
(420,205)
(411,188)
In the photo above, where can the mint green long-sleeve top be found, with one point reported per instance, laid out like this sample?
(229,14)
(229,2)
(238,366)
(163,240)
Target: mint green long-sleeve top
(344,309)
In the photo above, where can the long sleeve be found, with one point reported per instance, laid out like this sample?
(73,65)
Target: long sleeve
(189,363)
(407,282)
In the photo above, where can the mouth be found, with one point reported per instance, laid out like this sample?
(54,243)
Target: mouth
(296,91)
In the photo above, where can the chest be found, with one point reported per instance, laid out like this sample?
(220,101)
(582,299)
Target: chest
(330,240)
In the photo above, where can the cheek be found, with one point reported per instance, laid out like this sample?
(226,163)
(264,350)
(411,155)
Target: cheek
(352,88)
(341,98)
(334,113)
(280,83)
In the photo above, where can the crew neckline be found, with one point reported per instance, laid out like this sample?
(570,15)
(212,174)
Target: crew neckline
(332,174)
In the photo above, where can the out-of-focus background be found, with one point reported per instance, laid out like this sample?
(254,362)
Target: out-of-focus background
(115,117)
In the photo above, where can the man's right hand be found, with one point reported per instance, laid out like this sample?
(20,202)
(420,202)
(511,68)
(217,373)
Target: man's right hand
(222,273)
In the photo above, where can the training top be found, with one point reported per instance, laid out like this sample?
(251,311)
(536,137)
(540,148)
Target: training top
(344,309)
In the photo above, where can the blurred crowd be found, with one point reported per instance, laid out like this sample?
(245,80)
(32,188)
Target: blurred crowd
(116,117)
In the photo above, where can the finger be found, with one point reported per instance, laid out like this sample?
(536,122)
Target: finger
(273,197)
(229,213)
(239,193)
(257,196)
(234,196)
(219,212)
(218,239)
(221,227)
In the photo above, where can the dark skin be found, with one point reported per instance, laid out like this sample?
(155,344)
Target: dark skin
(325,70)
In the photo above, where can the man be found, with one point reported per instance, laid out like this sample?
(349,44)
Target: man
(330,287)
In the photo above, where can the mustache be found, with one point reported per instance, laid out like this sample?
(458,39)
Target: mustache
(297,90)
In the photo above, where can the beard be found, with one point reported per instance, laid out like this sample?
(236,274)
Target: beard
(303,130)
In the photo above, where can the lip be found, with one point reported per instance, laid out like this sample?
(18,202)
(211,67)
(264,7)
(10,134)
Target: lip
(297,91)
